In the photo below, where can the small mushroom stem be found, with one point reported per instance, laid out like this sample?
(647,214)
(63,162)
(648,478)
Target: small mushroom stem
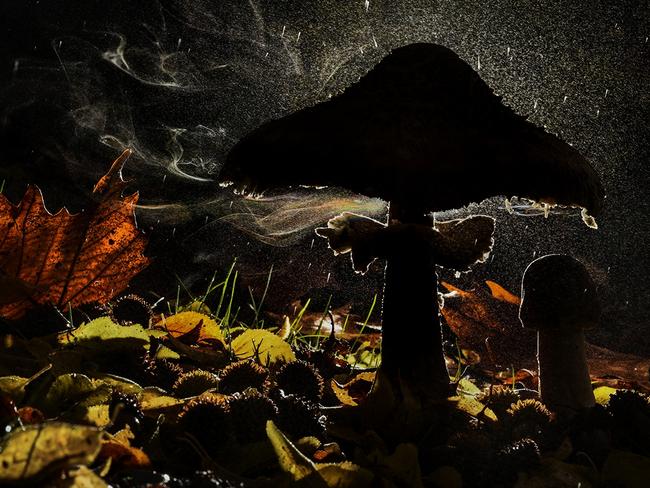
(412,352)
(564,382)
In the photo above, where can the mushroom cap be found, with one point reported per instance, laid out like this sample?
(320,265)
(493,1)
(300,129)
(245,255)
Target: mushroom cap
(422,128)
(557,292)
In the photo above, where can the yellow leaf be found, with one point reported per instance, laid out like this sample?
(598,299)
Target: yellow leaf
(301,468)
(345,475)
(81,477)
(472,406)
(189,322)
(290,458)
(467,388)
(106,334)
(97,415)
(47,447)
(154,399)
(602,394)
(262,344)
(13,386)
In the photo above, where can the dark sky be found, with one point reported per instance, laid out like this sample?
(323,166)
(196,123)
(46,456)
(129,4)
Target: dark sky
(181,81)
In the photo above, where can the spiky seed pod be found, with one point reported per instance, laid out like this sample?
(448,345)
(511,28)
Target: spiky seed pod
(300,378)
(161,372)
(504,466)
(124,409)
(249,412)
(630,411)
(298,417)
(210,479)
(194,383)
(499,399)
(241,375)
(131,309)
(208,420)
(624,402)
(528,418)
(523,453)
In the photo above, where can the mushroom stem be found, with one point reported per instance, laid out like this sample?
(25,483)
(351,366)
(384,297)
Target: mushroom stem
(412,353)
(564,379)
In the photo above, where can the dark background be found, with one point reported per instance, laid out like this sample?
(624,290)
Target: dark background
(181,81)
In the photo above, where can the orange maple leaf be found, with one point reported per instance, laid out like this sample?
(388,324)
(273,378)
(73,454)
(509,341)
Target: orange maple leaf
(68,260)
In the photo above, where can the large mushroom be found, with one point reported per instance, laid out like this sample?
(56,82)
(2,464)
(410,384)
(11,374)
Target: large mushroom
(559,301)
(422,131)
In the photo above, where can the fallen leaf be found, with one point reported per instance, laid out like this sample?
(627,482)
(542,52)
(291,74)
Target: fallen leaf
(602,394)
(68,260)
(74,390)
(302,469)
(262,344)
(191,327)
(153,401)
(47,447)
(501,294)
(103,333)
(122,454)
(355,390)
(79,477)
(471,406)
(13,386)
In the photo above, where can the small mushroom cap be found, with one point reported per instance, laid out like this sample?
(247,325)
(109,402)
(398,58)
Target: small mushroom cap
(558,292)
(422,128)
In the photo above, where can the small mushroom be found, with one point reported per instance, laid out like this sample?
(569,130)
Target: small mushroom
(422,131)
(559,300)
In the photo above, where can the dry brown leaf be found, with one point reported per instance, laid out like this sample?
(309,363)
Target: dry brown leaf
(64,259)
(123,454)
(501,294)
